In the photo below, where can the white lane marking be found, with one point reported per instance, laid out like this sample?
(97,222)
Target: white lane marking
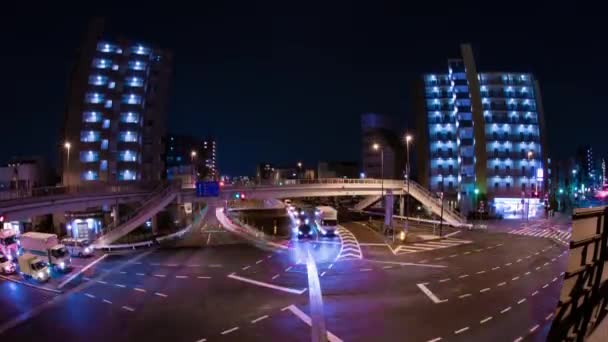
(277,275)
(269,256)
(453,255)
(202,339)
(502,284)
(203,277)
(306,319)
(259,319)
(107,301)
(467,252)
(365,269)
(120,285)
(89,295)
(387,267)
(323,273)
(553,260)
(519,260)
(545,286)
(463,276)
(485,320)
(437,339)
(515,278)
(70,278)
(509,264)
(528,257)
(465,295)
(102,282)
(519,339)
(330,266)
(122,272)
(545,264)
(452,234)
(172,265)
(160,275)
(406,263)
(86,278)
(554,280)
(215,265)
(229,330)
(444,280)
(263,284)
(505,310)
(527,273)
(128,308)
(246,267)
(288,268)
(495,268)
(533,329)
(154,264)
(481,272)
(521,300)
(194,265)
(548,316)
(259,261)
(181,277)
(484,290)
(423,261)
(479,250)
(461,330)
(139,289)
(534,293)
(538,268)
(208,238)
(430,294)
(140,274)
(160,294)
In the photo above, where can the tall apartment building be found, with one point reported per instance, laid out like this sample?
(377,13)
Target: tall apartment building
(480,134)
(114,123)
(183,152)
(380,129)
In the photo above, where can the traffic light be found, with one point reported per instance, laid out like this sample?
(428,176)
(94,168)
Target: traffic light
(239,195)
(1,218)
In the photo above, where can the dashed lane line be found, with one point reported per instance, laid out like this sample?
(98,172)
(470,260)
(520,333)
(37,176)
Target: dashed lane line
(245,268)
(203,277)
(160,294)
(505,310)
(521,300)
(89,295)
(460,331)
(437,339)
(128,308)
(259,261)
(533,329)
(485,320)
(181,277)
(106,301)
(259,319)
(139,289)
(484,290)
(465,295)
(276,276)
(267,285)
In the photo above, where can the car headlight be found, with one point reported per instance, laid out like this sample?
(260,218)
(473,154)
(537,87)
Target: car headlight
(7,268)
(48,270)
(9,257)
(87,250)
(40,274)
(298,221)
(62,264)
(299,232)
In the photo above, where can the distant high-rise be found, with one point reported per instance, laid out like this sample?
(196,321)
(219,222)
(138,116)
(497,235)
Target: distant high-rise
(183,152)
(481,134)
(114,124)
(379,129)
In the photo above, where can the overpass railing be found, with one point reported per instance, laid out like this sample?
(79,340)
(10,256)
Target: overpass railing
(294,182)
(50,191)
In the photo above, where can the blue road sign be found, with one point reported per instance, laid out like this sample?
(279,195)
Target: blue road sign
(207,189)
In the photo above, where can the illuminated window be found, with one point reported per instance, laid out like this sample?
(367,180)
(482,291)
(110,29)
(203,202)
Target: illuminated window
(127,175)
(112,85)
(89,136)
(131,99)
(137,65)
(98,79)
(101,63)
(104,144)
(90,175)
(129,117)
(140,50)
(108,104)
(103,165)
(91,116)
(89,156)
(127,136)
(127,156)
(106,124)
(115,67)
(134,81)
(94,98)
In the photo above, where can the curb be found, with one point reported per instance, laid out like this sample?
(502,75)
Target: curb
(43,288)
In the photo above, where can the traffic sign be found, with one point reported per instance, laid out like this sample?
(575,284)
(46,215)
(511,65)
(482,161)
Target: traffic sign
(207,189)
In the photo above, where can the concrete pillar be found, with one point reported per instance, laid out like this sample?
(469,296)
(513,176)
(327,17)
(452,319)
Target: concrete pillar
(154,225)
(402,205)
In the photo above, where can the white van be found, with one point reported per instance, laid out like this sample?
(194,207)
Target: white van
(78,247)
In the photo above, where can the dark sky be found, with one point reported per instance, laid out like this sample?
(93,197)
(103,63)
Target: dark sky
(286,83)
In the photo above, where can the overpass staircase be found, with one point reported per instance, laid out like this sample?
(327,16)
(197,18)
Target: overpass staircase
(367,202)
(432,201)
(157,201)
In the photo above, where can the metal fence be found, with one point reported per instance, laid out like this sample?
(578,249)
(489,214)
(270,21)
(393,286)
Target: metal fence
(584,295)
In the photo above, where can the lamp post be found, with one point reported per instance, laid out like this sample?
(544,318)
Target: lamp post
(67,146)
(475,205)
(408,139)
(192,156)
(530,154)
(300,170)
(377,147)
(441,216)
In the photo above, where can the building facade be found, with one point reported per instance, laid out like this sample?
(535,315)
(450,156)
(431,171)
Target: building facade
(481,134)
(338,169)
(114,123)
(379,130)
(191,156)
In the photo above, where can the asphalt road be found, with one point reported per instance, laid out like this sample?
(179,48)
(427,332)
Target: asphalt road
(480,286)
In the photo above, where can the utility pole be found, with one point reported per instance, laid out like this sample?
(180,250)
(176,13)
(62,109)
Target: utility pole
(408,139)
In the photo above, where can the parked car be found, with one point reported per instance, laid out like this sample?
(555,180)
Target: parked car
(78,247)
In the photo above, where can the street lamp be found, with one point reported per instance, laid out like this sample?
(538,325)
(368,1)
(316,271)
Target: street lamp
(408,139)
(192,156)
(67,146)
(377,147)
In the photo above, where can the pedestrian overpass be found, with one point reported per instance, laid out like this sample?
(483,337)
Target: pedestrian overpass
(153,200)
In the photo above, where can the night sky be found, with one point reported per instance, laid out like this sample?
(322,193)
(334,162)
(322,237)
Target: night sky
(288,83)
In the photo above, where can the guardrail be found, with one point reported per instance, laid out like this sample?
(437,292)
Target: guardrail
(584,296)
(49,191)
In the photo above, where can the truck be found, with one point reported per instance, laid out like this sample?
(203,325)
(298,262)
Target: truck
(8,244)
(48,248)
(326,219)
(32,266)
